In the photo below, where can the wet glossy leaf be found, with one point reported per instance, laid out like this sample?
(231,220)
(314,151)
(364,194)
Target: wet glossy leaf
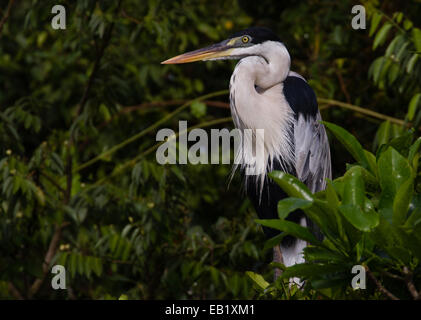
(288,205)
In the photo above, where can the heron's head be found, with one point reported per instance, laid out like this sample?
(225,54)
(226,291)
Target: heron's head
(241,44)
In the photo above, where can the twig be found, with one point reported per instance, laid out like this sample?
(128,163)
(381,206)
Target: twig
(220,104)
(411,287)
(14,291)
(277,257)
(125,15)
(343,86)
(380,286)
(391,275)
(390,20)
(362,110)
(154,104)
(52,181)
(6,14)
(52,249)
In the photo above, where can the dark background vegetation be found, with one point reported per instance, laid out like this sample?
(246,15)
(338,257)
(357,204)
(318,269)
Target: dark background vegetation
(76,190)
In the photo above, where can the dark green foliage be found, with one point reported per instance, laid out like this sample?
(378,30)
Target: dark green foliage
(80,185)
(370,217)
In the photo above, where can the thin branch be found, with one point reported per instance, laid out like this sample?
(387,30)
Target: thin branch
(390,20)
(362,110)
(6,14)
(343,86)
(380,286)
(155,104)
(125,15)
(411,287)
(14,291)
(52,181)
(52,249)
(221,104)
(278,258)
(391,275)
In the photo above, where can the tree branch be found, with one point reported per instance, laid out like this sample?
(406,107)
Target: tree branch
(380,286)
(6,14)
(343,86)
(52,181)
(155,104)
(14,291)
(362,110)
(52,249)
(411,287)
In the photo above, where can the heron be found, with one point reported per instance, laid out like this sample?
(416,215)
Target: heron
(266,94)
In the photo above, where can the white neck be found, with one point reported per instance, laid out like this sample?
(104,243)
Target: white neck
(264,106)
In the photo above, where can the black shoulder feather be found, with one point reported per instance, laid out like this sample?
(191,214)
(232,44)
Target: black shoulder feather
(300,96)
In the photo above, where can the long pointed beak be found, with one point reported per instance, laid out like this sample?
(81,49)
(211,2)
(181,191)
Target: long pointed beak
(214,51)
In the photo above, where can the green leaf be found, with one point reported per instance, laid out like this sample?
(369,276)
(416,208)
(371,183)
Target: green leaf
(401,142)
(363,221)
(198,109)
(73,264)
(414,149)
(402,200)
(411,63)
(413,104)
(371,158)
(97,266)
(289,205)
(394,170)
(178,173)
(258,279)
(322,254)
(308,270)
(354,191)
(415,216)
(407,24)
(395,43)
(398,16)
(274,241)
(377,17)
(290,228)
(381,35)
(291,185)
(393,73)
(376,69)
(350,143)
(416,37)
(333,202)
(382,134)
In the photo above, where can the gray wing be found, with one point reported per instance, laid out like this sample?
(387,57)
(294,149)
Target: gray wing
(312,152)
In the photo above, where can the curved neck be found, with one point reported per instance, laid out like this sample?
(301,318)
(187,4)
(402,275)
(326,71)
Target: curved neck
(268,63)
(257,101)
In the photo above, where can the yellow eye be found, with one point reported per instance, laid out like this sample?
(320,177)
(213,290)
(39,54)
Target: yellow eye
(245,39)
